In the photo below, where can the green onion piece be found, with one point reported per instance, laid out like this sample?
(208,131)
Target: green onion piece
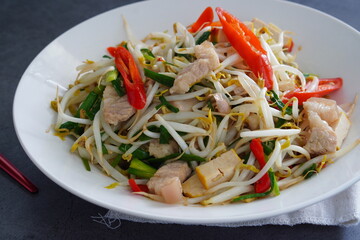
(164,135)
(276,190)
(275,98)
(191,157)
(86,164)
(268,147)
(203,37)
(117,84)
(280,122)
(141,169)
(116,160)
(111,75)
(125,45)
(246,157)
(309,172)
(104,149)
(256,195)
(87,103)
(163,159)
(106,56)
(95,108)
(99,89)
(68,125)
(87,106)
(165,103)
(148,55)
(160,78)
(138,153)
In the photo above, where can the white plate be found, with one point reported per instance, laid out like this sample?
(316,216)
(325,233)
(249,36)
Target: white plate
(325,51)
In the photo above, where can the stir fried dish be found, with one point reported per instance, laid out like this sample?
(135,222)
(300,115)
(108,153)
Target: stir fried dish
(214,112)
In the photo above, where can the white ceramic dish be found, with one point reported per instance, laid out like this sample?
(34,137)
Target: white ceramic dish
(325,51)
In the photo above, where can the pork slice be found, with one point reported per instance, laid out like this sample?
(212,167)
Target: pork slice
(206,50)
(207,60)
(167,180)
(327,109)
(162,150)
(222,103)
(116,109)
(321,138)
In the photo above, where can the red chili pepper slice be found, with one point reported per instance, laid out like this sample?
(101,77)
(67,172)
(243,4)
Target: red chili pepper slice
(247,45)
(205,19)
(264,183)
(326,86)
(137,188)
(125,63)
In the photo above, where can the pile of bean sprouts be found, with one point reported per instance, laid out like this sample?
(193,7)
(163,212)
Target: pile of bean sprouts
(208,132)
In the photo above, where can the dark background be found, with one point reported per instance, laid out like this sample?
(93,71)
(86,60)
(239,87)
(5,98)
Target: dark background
(26,27)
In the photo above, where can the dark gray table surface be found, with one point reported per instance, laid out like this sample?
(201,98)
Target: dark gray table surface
(26,27)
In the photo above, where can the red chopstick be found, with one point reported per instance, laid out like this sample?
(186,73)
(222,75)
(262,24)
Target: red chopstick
(16,174)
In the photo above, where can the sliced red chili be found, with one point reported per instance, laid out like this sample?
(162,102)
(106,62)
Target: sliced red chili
(133,83)
(264,183)
(247,45)
(137,187)
(326,86)
(205,19)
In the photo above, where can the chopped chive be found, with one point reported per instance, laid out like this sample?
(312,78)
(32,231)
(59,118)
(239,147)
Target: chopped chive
(309,172)
(86,164)
(203,37)
(104,149)
(148,55)
(160,78)
(275,98)
(138,153)
(106,56)
(164,135)
(268,147)
(141,169)
(165,103)
(257,195)
(111,75)
(280,122)
(116,160)
(118,86)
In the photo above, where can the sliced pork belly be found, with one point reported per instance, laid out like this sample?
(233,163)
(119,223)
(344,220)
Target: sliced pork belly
(116,109)
(207,61)
(167,181)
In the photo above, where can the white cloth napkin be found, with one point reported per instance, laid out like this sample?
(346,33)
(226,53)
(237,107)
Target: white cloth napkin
(341,210)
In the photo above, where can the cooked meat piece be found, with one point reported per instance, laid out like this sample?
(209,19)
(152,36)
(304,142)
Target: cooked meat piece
(206,50)
(116,109)
(322,138)
(167,180)
(222,104)
(162,150)
(207,60)
(341,128)
(185,105)
(219,170)
(325,108)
